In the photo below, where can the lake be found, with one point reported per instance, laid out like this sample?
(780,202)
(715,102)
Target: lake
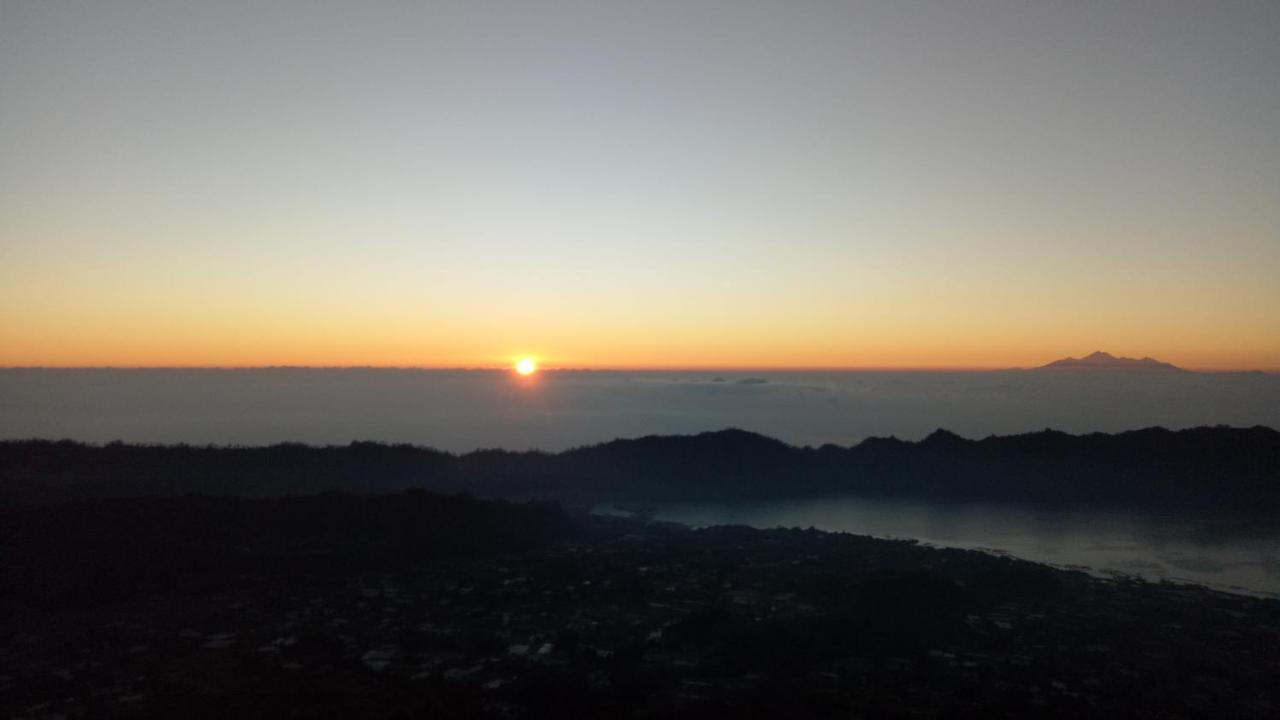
(1228,553)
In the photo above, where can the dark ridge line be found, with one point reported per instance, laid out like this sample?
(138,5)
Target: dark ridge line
(1236,469)
(934,437)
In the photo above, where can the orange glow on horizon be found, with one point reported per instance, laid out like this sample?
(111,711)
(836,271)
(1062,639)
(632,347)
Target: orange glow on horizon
(611,365)
(230,336)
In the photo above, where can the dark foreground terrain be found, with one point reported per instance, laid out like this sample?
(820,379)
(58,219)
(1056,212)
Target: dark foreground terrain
(414,604)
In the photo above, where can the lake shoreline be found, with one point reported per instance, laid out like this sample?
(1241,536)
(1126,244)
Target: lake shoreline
(1224,554)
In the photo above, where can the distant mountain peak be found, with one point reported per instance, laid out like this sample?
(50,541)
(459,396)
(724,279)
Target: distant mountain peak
(942,437)
(1100,360)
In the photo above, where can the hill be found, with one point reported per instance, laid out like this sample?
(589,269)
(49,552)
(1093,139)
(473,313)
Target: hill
(1201,467)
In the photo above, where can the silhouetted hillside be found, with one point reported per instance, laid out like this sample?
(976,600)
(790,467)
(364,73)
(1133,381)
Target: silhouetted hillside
(67,470)
(1223,467)
(96,550)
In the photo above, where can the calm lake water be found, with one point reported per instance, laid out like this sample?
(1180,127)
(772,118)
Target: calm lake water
(1222,552)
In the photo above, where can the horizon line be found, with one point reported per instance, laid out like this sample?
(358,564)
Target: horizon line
(919,439)
(619,368)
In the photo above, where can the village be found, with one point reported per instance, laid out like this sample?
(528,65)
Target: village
(651,619)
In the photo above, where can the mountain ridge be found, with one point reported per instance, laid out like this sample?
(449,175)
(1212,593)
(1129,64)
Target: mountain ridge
(1152,467)
(1100,360)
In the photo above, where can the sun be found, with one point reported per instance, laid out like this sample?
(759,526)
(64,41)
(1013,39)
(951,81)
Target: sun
(527,366)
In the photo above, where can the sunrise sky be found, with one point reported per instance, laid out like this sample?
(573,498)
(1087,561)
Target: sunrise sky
(719,183)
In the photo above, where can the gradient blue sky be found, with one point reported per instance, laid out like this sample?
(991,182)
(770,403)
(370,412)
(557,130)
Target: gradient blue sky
(796,184)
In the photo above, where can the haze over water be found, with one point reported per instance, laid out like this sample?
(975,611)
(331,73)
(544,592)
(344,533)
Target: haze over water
(461,410)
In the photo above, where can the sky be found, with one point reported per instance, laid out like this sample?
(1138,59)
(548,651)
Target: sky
(724,183)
